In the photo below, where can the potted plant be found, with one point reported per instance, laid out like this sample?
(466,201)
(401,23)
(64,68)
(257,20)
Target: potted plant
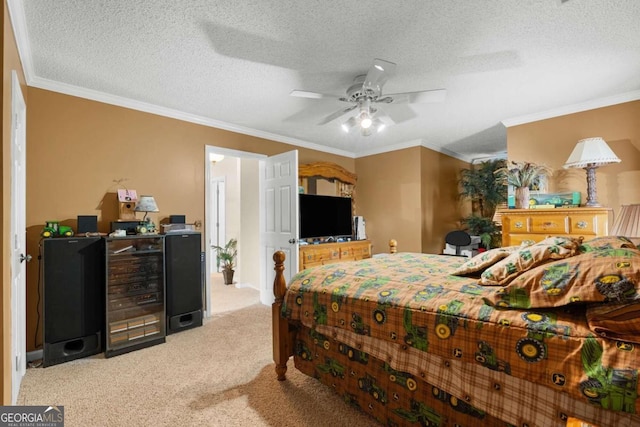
(479,185)
(524,176)
(226,259)
(489,232)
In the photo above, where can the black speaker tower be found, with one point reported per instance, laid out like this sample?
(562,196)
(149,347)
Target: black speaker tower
(73,298)
(184,281)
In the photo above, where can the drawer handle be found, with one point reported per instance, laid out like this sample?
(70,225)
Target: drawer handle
(548,224)
(581,224)
(518,224)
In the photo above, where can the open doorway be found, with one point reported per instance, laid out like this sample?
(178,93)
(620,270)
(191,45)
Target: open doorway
(231,212)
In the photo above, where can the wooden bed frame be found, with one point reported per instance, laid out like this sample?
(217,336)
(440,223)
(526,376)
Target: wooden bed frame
(283,330)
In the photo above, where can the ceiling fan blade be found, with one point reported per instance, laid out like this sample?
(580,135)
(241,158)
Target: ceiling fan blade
(308,94)
(377,75)
(421,97)
(383,117)
(339,113)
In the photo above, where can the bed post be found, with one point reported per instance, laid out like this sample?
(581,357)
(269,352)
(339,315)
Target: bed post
(393,246)
(282,338)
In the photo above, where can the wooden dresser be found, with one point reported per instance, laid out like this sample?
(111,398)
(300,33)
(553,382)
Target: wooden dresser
(519,225)
(327,253)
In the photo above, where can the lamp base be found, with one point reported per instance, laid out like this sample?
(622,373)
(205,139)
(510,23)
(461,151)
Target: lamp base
(592,197)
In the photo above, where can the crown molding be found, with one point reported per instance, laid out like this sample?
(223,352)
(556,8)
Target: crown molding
(430,146)
(18,22)
(387,148)
(176,114)
(574,108)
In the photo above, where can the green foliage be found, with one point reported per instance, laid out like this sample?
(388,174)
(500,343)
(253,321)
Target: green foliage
(227,254)
(479,184)
(489,232)
(521,174)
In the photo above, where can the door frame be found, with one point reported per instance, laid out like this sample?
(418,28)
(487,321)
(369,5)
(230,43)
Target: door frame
(208,215)
(218,218)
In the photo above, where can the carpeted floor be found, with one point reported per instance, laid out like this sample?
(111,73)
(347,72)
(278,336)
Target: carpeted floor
(220,374)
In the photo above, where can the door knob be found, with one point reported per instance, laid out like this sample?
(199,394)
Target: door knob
(24,257)
(292,241)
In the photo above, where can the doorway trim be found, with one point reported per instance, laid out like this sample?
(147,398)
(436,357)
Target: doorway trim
(208,215)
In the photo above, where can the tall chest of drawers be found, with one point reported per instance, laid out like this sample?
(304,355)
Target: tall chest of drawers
(519,225)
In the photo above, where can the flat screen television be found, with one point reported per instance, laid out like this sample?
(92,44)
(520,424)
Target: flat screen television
(325,216)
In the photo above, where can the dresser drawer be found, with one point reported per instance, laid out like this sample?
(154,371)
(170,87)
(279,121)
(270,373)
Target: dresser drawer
(328,253)
(516,225)
(361,251)
(320,255)
(552,224)
(583,224)
(519,225)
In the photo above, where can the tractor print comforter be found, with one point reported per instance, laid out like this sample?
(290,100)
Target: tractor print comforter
(554,321)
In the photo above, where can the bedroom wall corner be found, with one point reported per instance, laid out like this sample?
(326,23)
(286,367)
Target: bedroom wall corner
(389,198)
(442,208)
(551,141)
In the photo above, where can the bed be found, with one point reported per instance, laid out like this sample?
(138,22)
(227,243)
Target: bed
(523,336)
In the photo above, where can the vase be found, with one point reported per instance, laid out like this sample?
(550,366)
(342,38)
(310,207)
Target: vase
(228,276)
(522,197)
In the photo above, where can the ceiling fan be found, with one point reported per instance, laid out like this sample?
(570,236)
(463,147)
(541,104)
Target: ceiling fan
(366,93)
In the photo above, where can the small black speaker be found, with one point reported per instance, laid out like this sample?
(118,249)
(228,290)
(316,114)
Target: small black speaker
(177,219)
(87,224)
(183,281)
(73,298)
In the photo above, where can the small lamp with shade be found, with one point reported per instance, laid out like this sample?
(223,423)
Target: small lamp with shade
(146,204)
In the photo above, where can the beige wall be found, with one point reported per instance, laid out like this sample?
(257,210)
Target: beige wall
(442,208)
(388,197)
(76,148)
(250,219)
(409,195)
(551,141)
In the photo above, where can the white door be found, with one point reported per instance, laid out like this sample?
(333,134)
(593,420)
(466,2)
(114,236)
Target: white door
(18,237)
(280,201)
(218,235)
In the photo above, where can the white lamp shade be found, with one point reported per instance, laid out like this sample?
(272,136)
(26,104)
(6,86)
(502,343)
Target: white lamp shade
(146,204)
(591,152)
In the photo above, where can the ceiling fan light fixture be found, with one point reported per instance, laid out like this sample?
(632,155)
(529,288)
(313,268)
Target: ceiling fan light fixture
(365,122)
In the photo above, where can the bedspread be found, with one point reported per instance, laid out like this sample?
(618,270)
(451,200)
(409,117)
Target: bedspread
(414,302)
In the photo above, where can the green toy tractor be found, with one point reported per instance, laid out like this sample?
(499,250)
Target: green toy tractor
(54,229)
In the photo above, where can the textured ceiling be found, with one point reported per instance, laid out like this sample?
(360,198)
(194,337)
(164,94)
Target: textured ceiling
(233,63)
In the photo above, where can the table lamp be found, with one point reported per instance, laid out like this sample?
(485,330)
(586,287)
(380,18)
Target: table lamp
(589,154)
(147,204)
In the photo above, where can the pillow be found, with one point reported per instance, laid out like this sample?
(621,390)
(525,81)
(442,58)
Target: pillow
(522,260)
(606,242)
(565,242)
(478,263)
(606,275)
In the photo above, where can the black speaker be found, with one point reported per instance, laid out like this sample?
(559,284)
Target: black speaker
(177,219)
(73,298)
(87,224)
(183,281)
